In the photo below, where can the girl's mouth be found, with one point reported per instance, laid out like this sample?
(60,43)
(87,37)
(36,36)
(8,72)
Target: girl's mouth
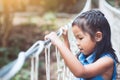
(81,50)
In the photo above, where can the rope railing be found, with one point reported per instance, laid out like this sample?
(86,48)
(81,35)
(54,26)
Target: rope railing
(8,71)
(111,8)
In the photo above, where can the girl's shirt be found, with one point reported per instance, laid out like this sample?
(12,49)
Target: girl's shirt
(90,59)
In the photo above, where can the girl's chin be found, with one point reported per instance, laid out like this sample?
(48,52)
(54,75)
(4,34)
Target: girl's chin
(84,52)
(81,51)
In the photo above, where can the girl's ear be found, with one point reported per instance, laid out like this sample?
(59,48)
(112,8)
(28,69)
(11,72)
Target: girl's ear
(98,36)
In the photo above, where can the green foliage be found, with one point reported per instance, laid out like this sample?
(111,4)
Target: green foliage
(7,55)
(49,19)
(49,27)
(114,3)
(3,58)
(23,74)
(111,2)
(49,16)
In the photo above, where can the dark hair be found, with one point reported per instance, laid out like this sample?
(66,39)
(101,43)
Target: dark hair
(91,22)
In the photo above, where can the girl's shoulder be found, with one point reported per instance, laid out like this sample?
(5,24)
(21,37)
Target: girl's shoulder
(116,65)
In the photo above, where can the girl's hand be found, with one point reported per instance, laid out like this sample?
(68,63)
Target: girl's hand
(65,32)
(53,37)
(65,36)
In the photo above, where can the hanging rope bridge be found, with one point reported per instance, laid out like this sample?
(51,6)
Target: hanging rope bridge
(63,73)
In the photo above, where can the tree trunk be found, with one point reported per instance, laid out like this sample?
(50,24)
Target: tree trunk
(7,22)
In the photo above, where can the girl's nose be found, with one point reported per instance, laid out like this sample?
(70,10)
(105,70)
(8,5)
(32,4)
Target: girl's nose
(77,42)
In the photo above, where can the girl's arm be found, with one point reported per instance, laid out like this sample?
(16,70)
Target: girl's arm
(91,70)
(65,37)
(70,59)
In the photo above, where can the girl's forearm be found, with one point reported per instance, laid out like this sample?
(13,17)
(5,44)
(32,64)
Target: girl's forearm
(66,41)
(70,59)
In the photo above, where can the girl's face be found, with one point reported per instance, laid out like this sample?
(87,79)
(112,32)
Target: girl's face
(84,41)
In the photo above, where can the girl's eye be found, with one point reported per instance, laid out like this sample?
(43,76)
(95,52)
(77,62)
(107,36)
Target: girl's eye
(80,38)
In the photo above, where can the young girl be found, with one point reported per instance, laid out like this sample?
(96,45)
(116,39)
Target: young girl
(96,60)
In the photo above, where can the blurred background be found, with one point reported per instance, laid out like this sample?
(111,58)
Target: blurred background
(23,22)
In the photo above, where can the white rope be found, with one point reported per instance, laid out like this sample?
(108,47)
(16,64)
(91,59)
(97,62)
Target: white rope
(32,68)
(36,66)
(35,60)
(59,71)
(47,61)
(63,73)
